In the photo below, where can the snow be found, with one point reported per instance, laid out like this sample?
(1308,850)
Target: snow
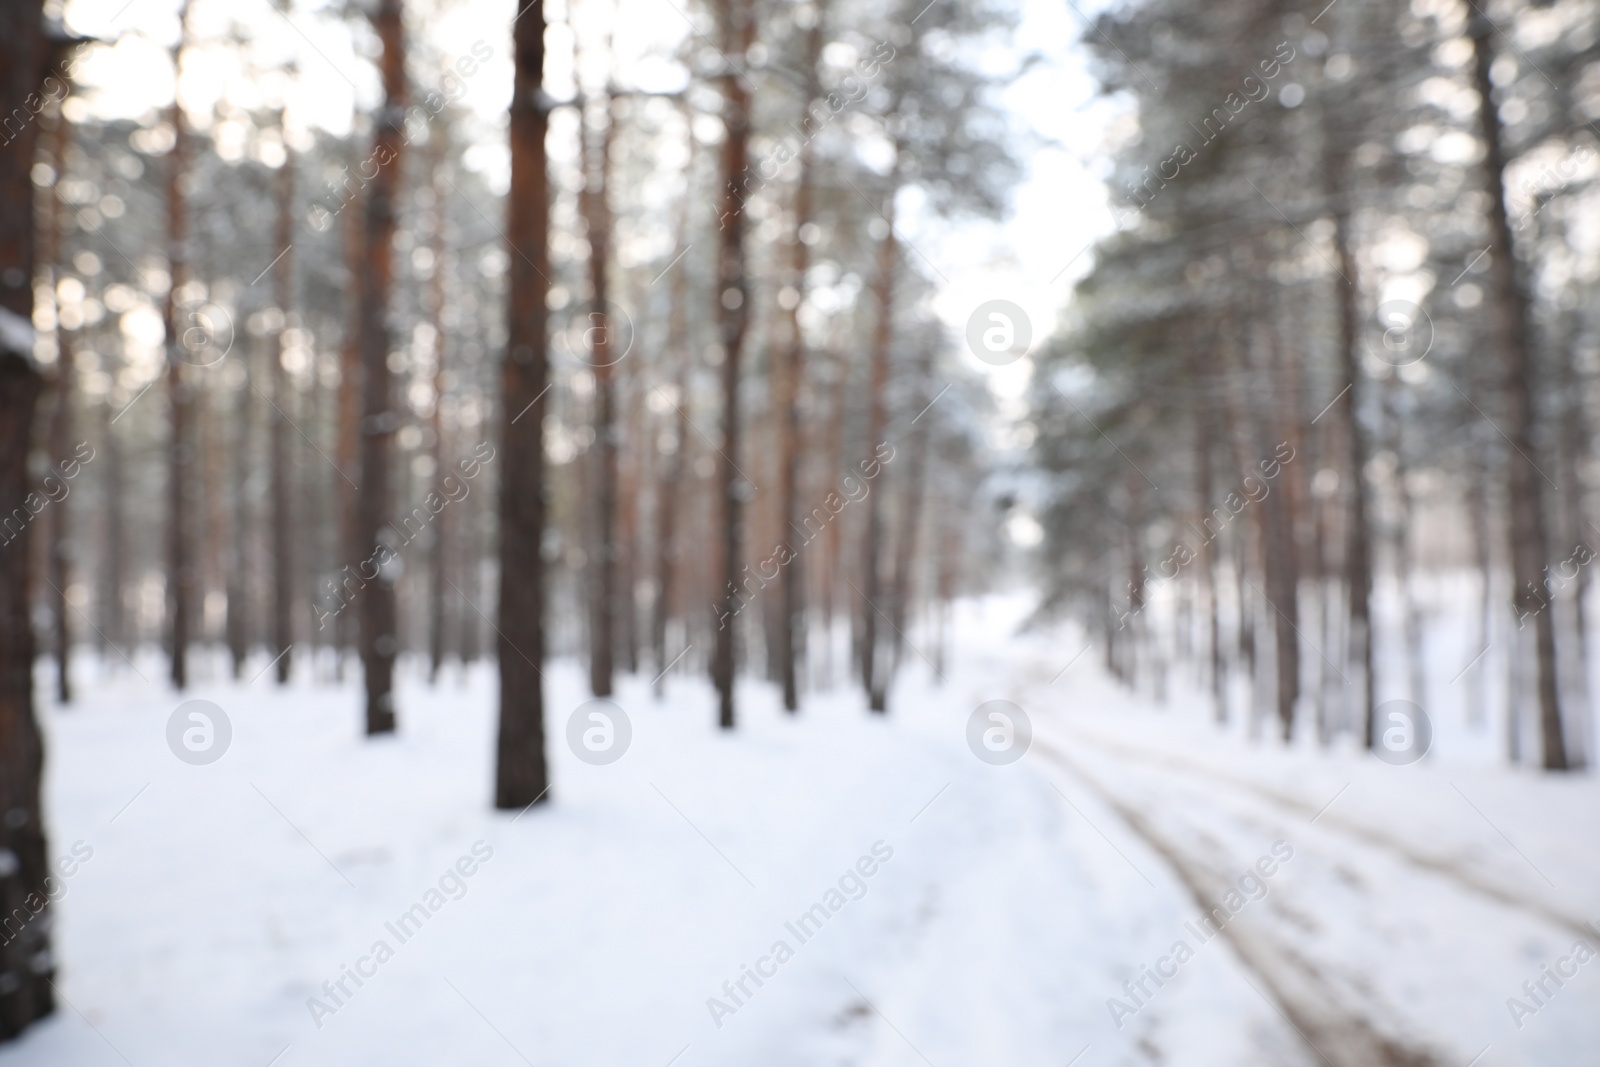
(1015,902)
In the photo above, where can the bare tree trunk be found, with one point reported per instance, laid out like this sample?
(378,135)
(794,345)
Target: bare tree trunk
(1483,561)
(24,992)
(670,487)
(1204,428)
(283,526)
(883,332)
(1508,313)
(469,624)
(594,201)
(1575,435)
(791,638)
(738,34)
(1347,409)
(1282,579)
(379,420)
(521,776)
(442,530)
(629,483)
(60,545)
(213,506)
(1415,653)
(238,625)
(115,560)
(910,519)
(1248,550)
(180,451)
(835,539)
(950,554)
(25,963)
(348,443)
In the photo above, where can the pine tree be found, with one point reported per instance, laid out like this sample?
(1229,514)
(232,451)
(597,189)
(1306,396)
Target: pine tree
(521,774)
(379,417)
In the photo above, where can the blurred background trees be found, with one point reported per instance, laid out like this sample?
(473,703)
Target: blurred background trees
(640,367)
(1345,235)
(281,342)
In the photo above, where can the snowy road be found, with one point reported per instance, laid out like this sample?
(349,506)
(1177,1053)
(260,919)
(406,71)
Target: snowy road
(831,889)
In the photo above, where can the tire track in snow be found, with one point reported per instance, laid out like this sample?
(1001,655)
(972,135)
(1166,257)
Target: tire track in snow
(1338,1035)
(1363,833)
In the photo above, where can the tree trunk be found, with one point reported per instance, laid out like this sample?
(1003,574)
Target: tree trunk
(521,776)
(1508,314)
(180,453)
(910,519)
(871,548)
(738,33)
(627,536)
(116,554)
(792,621)
(238,624)
(1575,435)
(1204,429)
(1347,409)
(212,458)
(471,533)
(835,539)
(283,527)
(348,444)
(1281,563)
(1483,561)
(950,554)
(60,421)
(444,528)
(379,420)
(25,963)
(594,201)
(670,488)
(1416,660)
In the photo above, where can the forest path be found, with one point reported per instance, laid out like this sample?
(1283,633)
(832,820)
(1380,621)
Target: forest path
(1340,1029)
(1390,937)
(1494,884)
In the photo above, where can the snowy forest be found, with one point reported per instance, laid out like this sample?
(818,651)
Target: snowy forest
(515,514)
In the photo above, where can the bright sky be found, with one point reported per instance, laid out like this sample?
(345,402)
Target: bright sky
(1031,257)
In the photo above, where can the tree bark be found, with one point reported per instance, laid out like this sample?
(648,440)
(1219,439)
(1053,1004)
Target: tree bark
(347,447)
(1204,431)
(238,623)
(1508,315)
(1575,435)
(629,481)
(872,679)
(283,528)
(1416,658)
(670,488)
(594,201)
(60,421)
(792,628)
(181,561)
(116,554)
(738,26)
(25,967)
(444,528)
(1280,558)
(379,419)
(834,541)
(1347,409)
(1483,561)
(521,776)
(910,519)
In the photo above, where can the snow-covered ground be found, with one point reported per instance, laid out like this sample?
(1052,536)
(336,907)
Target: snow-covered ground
(969,912)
